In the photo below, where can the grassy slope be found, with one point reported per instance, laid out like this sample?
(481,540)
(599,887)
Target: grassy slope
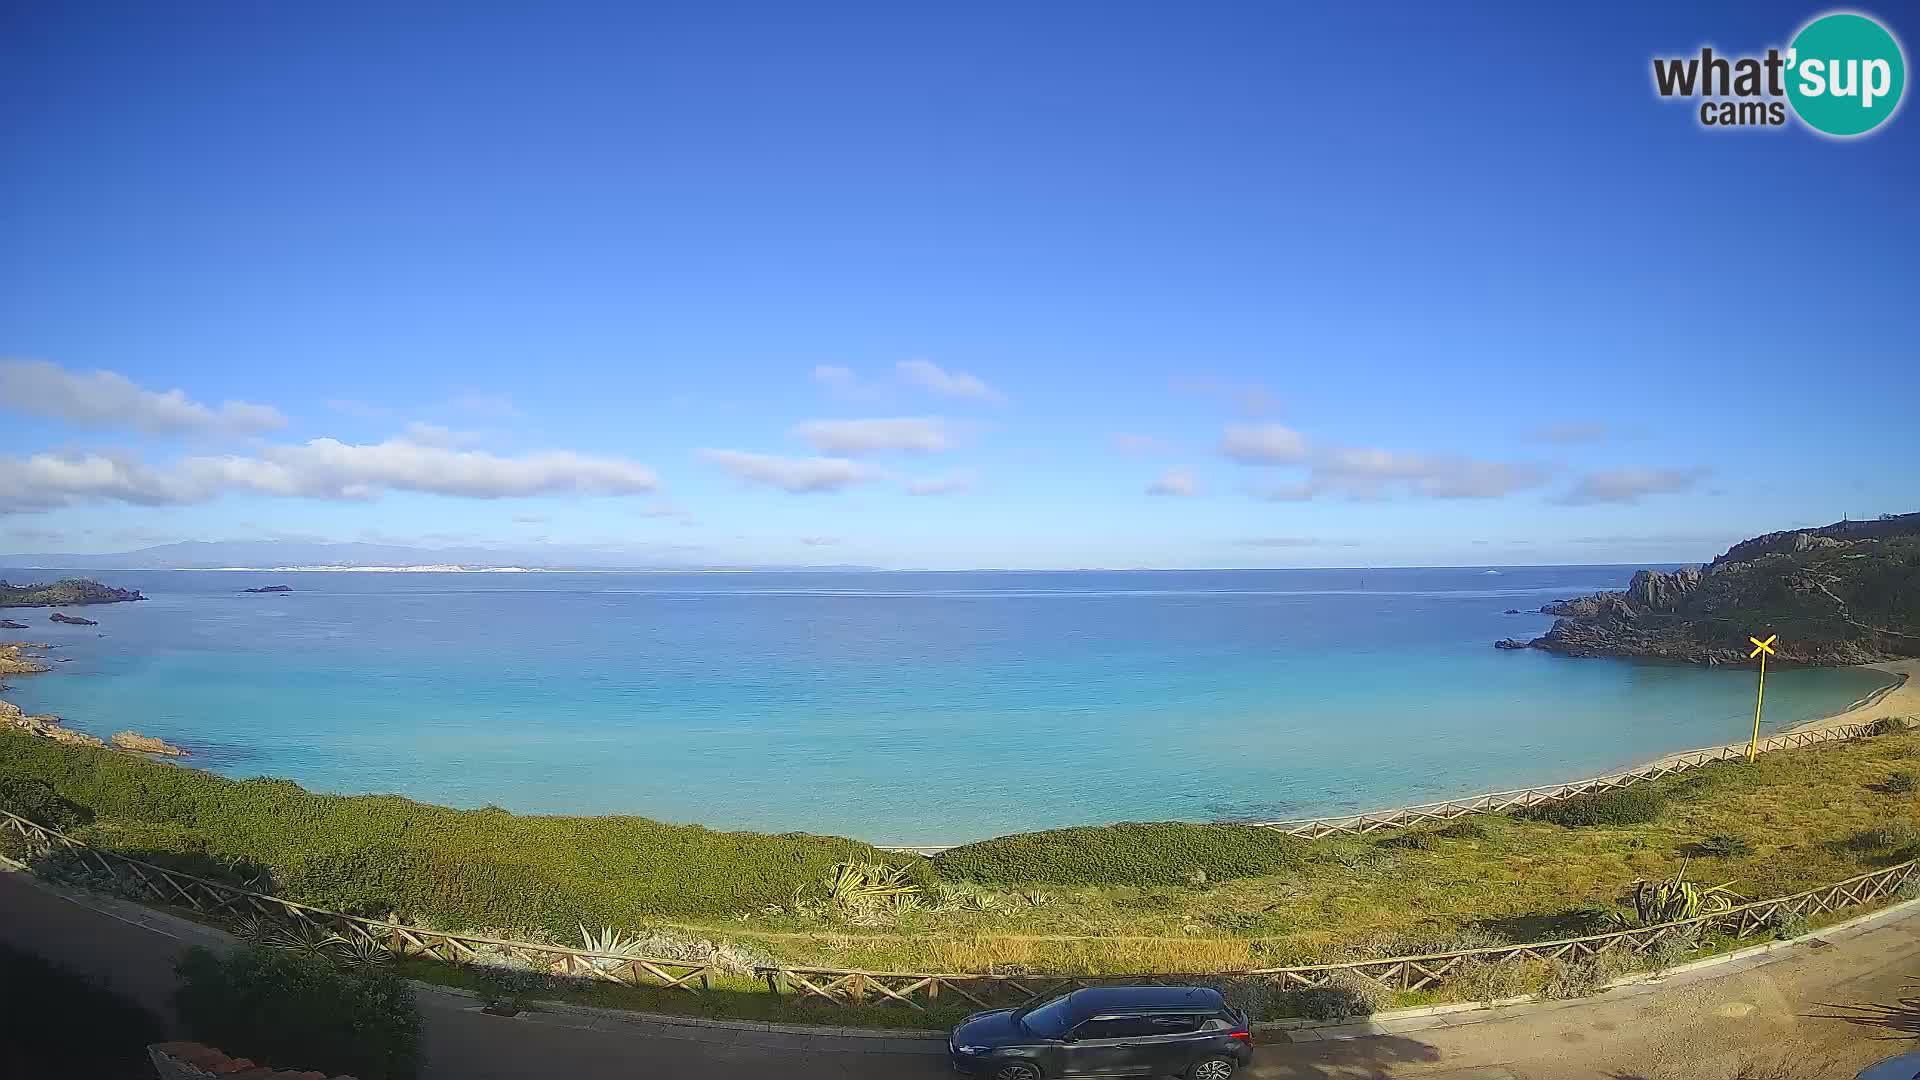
(462,868)
(1124,898)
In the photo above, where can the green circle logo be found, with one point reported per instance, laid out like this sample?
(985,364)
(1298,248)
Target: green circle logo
(1845,74)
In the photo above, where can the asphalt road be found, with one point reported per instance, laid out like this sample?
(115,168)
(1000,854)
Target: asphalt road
(1821,1012)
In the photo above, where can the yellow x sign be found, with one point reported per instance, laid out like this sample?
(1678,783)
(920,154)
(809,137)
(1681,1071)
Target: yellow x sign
(1763,646)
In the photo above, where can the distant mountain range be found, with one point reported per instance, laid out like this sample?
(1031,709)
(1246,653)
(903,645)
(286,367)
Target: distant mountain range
(278,554)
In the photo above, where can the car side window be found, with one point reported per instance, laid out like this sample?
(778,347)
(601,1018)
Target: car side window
(1174,1023)
(1117,1027)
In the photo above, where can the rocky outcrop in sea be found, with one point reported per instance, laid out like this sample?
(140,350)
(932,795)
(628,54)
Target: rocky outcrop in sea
(67,592)
(146,744)
(71,620)
(1845,594)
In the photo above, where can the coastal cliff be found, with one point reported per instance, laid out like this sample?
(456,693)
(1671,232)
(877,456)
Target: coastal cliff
(1848,593)
(68,592)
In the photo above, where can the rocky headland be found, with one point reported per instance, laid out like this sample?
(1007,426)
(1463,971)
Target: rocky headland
(68,592)
(1847,593)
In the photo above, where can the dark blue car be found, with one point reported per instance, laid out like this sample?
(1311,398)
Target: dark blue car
(1185,1031)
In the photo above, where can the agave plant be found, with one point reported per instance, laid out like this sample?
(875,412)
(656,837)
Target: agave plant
(361,954)
(306,939)
(256,928)
(609,942)
(849,884)
(1676,899)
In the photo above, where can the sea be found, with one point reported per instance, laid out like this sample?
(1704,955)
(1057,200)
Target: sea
(902,708)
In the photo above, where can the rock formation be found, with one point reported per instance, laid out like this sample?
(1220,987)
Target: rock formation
(68,592)
(71,620)
(133,740)
(270,588)
(1848,593)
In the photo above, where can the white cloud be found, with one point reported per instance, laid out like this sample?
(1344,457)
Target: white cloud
(529,519)
(488,406)
(912,434)
(105,399)
(320,469)
(833,375)
(1370,473)
(798,475)
(1175,482)
(1249,398)
(953,483)
(1130,443)
(955,384)
(843,382)
(1573,432)
(362,410)
(821,541)
(1264,444)
(1630,485)
(1295,542)
(426,434)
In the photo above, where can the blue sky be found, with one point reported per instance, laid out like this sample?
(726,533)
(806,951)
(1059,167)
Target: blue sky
(1130,284)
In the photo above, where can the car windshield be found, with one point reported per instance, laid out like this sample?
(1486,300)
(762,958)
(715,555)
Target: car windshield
(1049,1021)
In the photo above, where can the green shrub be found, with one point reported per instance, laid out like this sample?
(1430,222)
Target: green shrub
(1582,978)
(1723,845)
(1900,783)
(298,1012)
(1787,925)
(458,869)
(35,800)
(1409,841)
(1346,996)
(1635,805)
(59,1024)
(1887,837)
(1160,854)
(1466,828)
(1670,951)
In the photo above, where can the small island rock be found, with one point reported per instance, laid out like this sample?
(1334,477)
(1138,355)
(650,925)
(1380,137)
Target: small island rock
(133,740)
(72,620)
(1510,643)
(9,624)
(270,588)
(68,592)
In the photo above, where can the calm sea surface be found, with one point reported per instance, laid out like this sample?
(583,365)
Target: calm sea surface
(896,707)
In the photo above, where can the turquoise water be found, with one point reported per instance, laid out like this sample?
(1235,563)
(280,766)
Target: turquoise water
(896,707)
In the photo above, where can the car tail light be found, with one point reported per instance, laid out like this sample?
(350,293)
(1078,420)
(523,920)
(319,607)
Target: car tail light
(1247,1035)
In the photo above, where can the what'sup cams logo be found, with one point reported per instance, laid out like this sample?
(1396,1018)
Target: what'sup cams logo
(1842,76)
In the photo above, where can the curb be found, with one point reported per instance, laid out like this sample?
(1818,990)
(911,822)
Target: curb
(1455,1014)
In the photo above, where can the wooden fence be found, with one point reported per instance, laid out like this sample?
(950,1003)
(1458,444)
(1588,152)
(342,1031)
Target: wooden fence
(1518,798)
(919,990)
(219,901)
(223,902)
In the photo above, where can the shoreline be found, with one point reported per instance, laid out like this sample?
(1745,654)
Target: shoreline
(1900,698)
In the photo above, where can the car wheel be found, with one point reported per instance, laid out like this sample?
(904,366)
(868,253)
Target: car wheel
(1218,1068)
(1017,1070)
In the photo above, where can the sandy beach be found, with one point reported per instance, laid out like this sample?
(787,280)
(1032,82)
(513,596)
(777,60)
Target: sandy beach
(1901,699)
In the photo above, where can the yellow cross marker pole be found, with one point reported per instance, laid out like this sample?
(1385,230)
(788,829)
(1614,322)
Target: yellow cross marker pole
(1761,649)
